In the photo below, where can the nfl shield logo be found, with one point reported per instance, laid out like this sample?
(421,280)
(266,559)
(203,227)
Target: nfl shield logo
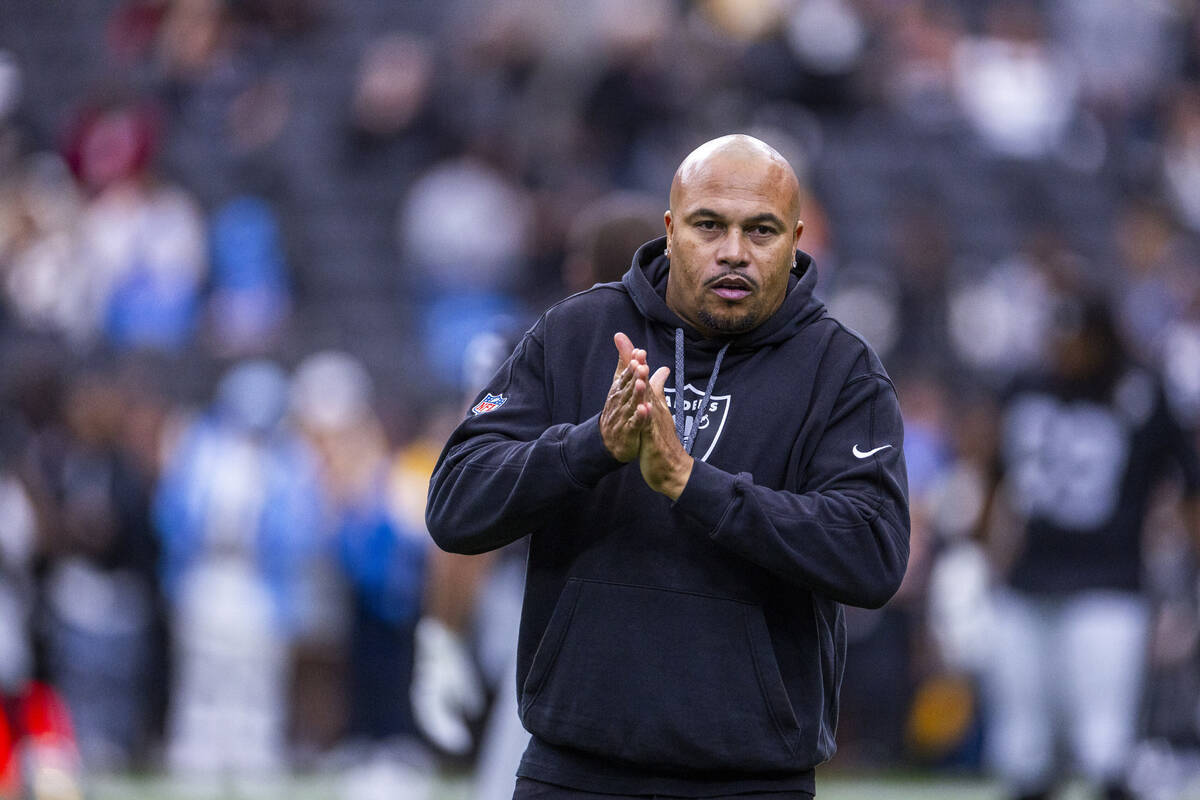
(490,402)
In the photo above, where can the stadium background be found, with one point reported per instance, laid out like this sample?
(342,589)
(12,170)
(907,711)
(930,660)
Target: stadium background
(292,216)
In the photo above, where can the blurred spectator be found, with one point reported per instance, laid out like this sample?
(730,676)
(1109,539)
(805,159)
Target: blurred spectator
(901,308)
(393,84)
(193,35)
(916,73)
(1121,50)
(1181,155)
(1082,449)
(924,267)
(248,301)
(743,21)
(398,109)
(10,97)
(1159,272)
(465,229)
(100,612)
(18,545)
(1164,764)
(602,240)
(959,620)
(465,226)
(827,36)
(867,297)
(212,67)
(240,511)
(630,98)
(45,286)
(1181,359)
(999,319)
(946,718)
(1014,86)
(141,242)
(19,542)
(38,757)
(380,552)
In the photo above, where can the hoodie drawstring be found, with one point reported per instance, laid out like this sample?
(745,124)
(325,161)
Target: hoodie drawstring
(685,428)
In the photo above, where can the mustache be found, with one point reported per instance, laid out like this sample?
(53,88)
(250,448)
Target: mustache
(737,276)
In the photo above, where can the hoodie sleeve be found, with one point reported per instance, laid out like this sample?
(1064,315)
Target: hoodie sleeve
(507,471)
(844,534)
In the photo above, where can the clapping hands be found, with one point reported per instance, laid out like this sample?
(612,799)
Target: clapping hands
(636,422)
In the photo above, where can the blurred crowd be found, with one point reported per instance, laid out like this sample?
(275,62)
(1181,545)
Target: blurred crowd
(252,252)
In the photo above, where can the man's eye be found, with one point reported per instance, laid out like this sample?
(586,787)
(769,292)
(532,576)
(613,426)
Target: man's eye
(762,230)
(706,225)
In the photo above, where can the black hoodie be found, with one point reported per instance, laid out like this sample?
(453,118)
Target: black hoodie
(689,648)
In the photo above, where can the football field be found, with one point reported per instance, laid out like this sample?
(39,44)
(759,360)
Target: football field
(837,787)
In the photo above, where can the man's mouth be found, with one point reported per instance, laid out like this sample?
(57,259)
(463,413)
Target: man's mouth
(731,287)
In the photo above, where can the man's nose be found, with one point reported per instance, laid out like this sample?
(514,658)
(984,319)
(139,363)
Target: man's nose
(732,252)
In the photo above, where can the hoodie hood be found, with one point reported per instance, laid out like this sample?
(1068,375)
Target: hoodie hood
(646,282)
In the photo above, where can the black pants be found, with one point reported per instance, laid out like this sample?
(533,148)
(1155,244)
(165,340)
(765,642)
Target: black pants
(529,789)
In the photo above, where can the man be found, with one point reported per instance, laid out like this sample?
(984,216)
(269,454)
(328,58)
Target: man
(681,632)
(1082,451)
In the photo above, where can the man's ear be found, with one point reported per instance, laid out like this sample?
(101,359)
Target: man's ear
(670,225)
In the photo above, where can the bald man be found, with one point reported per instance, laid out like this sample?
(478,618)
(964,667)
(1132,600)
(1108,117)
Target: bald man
(697,515)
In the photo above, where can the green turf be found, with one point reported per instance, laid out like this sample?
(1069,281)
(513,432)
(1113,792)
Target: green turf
(905,788)
(839,787)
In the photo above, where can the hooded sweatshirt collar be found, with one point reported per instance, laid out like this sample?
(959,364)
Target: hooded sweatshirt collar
(646,282)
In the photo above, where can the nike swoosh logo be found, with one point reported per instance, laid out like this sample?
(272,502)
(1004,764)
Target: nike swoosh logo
(860,454)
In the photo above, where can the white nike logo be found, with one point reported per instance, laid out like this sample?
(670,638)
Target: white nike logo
(860,454)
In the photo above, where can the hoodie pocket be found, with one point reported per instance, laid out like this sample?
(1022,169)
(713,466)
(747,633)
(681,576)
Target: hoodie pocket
(660,678)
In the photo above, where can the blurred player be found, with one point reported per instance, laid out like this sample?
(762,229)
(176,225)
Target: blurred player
(380,544)
(239,509)
(1081,451)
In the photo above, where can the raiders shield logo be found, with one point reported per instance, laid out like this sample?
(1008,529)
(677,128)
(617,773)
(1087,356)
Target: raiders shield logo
(712,420)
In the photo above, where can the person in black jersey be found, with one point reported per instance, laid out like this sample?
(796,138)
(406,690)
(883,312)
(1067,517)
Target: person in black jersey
(1082,448)
(698,515)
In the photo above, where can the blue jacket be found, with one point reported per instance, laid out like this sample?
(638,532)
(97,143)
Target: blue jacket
(694,647)
(382,557)
(282,524)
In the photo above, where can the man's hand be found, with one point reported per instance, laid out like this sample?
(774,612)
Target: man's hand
(665,465)
(620,424)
